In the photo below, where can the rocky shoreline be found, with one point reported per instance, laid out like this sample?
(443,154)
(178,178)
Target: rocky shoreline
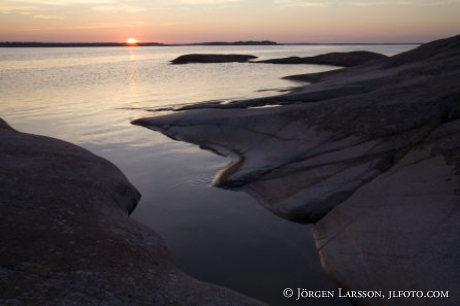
(67,238)
(370,154)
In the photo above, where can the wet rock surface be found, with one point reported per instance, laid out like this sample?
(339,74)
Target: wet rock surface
(370,154)
(67,239)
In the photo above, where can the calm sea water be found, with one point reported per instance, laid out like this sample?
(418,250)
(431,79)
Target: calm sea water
(89,95)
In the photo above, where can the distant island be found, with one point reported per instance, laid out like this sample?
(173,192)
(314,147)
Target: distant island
(9,44)
(236,43)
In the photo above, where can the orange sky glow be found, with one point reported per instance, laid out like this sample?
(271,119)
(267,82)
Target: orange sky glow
(185,21)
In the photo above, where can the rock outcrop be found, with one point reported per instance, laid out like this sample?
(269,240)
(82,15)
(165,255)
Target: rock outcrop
(67,239)
(370,154)
(212,58)
(342,59)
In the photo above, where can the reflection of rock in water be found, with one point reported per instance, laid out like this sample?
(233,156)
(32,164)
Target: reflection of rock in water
(66,238)
(371,154)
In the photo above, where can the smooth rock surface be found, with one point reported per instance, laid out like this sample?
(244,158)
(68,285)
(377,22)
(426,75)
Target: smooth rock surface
(66,237)
(400,232)
(371,154)
(341,59)
(212,58)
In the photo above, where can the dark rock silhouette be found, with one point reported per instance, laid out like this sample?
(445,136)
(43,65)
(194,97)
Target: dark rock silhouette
(212,58)
(342,59)
(66,238)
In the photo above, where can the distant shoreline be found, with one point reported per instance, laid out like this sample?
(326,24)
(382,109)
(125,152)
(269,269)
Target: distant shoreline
(8,44)
(76,44)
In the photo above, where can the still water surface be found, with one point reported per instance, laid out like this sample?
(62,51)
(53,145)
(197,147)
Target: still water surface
(89,95)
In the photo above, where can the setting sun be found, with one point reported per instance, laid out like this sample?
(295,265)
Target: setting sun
(132,41)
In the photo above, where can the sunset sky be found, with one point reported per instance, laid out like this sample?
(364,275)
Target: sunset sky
(183,21)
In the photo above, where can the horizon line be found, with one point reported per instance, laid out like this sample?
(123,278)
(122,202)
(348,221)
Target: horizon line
(147,44)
